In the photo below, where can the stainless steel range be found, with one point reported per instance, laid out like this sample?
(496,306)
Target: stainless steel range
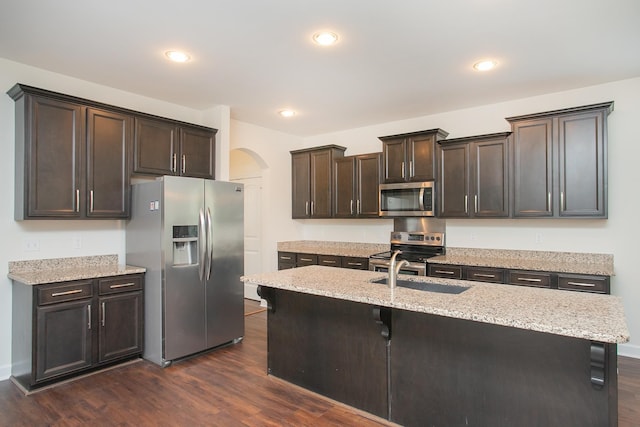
(415,246)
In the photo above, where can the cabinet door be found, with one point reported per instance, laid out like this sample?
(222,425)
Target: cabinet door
(394,155)
(421,158)
(197,153)
(300,185)
(582,165)
(108,143)
(155,144)
(489,175)
(454,181)
(53,155)
(344,191)
(532,168)
(367,185)
(63,338)
(121,325)
(321,176)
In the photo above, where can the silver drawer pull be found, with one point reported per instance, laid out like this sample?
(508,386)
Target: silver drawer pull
(586,285)
(306,259)
(285,257)
(122,285)
(355,263)
(445,272)
(489,276)
(61,294)
(326,261)
(525,279)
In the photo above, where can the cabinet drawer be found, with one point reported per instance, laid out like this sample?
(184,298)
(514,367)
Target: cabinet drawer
(306,259)
(485,274)
(355,263)
(115,285)
(446,271)
(528,278)
(286,260)
(330,260)
(69,291)
(576,282)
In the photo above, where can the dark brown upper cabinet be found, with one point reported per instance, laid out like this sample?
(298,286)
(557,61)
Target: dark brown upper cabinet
(560,163)
(164,147)
(410,156)
(356,186)
(473,177)
(71,158)
(312,181)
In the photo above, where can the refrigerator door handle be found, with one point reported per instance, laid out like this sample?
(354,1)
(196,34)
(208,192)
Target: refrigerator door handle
(202,243)
(209,244)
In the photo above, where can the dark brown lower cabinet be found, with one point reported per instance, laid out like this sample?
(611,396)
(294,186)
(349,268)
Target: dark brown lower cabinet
(64,329)
(292,260)
(329,346)
(418,369)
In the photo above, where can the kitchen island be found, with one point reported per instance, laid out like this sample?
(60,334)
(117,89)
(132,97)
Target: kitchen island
(491,355)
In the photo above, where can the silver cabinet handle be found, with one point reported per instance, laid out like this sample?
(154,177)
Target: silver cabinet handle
(562,206)
(103,314)
(549,201)
(466,210)
(89,315)
(174,159)
(184,163)
(285,257)
(122,285)
(306,208)
(351,206)
(475,203)
(402,169)
(312,207)
(358,211)
(306,259)
(586,285)
(526,279)
(412,172)
(328,261)
(91,201)
(77,200)
(445,272)
(359,264)
(61,294)
(488,276)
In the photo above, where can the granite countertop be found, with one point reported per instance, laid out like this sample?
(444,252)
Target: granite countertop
(573,314)
(41,271)
(561,262)
(361,250)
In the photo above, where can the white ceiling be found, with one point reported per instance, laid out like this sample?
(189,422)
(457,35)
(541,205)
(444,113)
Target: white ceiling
(395,59)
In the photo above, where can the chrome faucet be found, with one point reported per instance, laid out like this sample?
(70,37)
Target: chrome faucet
(394,268)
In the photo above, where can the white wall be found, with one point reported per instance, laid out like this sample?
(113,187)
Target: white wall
(618,235)
(56,238)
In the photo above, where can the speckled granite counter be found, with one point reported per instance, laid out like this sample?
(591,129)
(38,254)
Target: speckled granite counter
(362,250)
(561,262)
(572,314)
(41,271)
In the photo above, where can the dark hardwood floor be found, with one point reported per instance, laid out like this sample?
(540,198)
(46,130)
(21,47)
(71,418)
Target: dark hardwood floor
(226,387)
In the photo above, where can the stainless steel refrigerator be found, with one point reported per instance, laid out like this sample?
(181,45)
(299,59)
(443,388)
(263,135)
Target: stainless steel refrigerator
(188,234)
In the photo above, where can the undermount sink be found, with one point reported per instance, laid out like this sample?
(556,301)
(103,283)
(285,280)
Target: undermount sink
(429,287)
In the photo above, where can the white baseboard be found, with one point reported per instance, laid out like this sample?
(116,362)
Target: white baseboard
(5,372)
(629,350)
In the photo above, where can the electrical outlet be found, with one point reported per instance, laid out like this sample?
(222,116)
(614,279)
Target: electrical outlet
(473,237)
(31,245)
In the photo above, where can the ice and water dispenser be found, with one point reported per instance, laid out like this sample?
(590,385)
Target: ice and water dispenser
(185,244)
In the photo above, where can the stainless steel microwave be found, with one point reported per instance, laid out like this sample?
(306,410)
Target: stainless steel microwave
(407,199)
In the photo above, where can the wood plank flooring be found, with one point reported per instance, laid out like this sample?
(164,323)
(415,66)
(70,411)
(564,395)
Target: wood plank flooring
(226,387)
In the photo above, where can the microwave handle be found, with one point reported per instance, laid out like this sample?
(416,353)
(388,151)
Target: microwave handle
(421,197)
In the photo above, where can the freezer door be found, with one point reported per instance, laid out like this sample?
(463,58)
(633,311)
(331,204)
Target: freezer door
(184,302)
(224,203)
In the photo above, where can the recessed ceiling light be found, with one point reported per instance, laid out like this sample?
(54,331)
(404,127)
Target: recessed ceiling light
(484,65)
(287,113)
(177,56)
(325,38)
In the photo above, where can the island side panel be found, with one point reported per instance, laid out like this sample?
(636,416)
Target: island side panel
(452,372)
(330,346)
